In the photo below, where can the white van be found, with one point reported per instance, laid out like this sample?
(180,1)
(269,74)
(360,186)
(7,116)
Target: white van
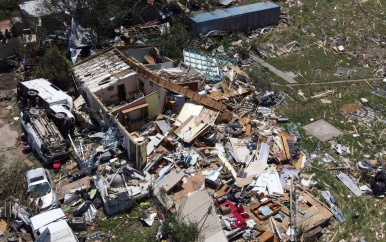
(52,226)
(43,94)
(43,136)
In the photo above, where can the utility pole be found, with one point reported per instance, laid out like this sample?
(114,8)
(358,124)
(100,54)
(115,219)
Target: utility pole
(293,210)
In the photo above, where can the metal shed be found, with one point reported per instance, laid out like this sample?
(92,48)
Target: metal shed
(246,17)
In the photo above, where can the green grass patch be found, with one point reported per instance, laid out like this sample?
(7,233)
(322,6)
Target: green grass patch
(301,112)
(371,210)
(316,65)
(126,227)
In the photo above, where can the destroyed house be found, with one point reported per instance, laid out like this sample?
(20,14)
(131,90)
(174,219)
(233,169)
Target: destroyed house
(242,18)
(35,14)
(126,92)
(150,57)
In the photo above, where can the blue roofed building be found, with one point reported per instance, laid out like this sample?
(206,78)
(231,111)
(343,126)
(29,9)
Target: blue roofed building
(243,18)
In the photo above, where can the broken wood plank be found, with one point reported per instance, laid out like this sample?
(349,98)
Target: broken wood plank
(298,164)
(248,130)
(287,152)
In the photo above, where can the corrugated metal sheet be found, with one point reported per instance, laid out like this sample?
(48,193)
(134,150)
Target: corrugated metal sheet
(235,11)
(34,9)
(247,17)
(349,184)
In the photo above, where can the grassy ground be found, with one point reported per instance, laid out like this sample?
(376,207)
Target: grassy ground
(371,210)
(263,79)
(316,65)
(330,23)
(126,227)
(301,111)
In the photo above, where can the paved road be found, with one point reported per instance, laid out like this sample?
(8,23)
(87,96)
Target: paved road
(287,76)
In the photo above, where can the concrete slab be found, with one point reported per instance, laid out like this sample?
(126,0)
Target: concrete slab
(322,130)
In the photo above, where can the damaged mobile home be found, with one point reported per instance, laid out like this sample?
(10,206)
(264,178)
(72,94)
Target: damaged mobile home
(128,93)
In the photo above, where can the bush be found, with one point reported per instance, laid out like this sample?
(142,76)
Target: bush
(11,181)
(177,230)
(54,66)
(9,5)
(172,44)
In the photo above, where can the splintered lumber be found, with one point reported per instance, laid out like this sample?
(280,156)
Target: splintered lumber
(298,164)
(248,130)
(287,152)
(224,86)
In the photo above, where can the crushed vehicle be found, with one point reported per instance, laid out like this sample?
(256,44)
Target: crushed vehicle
(52,226)
(40,189)
(43,94)
(44,138)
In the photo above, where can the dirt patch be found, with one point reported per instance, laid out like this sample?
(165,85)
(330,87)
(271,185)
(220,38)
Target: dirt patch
(350,107)
(9,80)
(10,145)
(8,136)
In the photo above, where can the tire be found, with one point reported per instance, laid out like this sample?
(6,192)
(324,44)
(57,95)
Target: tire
(32,93)
(34,111)
(59,117)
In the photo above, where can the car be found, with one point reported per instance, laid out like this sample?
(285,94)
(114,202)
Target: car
(41,189)
(52,226)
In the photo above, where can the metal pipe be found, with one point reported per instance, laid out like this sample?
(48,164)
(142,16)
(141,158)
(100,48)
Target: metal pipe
(81,150)
(73,145)
(112,179)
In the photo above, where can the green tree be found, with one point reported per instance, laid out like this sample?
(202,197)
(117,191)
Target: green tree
(6,6)
(54,66)
(179,37)
(101,15)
